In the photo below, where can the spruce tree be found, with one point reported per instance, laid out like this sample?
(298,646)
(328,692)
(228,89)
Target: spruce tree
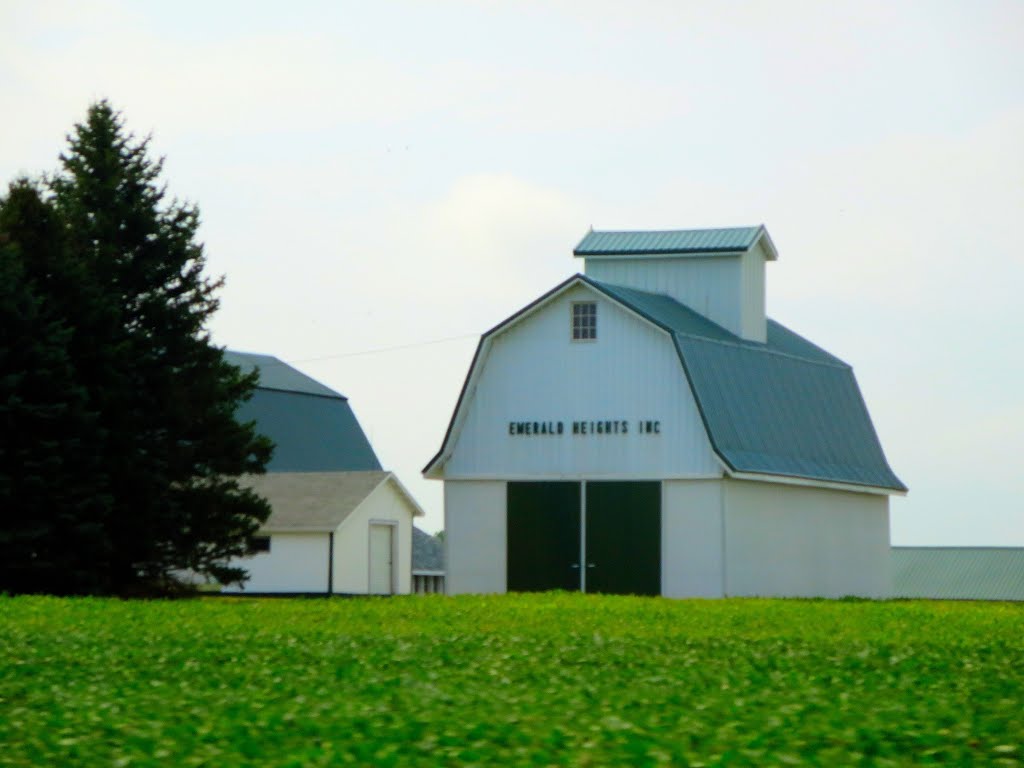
(52,489)
(165,399)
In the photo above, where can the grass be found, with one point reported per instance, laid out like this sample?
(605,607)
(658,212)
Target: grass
(552,679)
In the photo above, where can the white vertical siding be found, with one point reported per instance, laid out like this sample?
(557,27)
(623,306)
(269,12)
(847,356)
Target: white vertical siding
(691,538)
(475,536)
(352,542)
(783,540)
(296,562)
(754,322)
(711,286)
(535,372)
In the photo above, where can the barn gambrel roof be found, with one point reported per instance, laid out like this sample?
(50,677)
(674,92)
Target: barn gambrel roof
(312,426)
(785,408)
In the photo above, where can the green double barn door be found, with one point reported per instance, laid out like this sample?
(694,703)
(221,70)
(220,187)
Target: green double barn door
(605,537)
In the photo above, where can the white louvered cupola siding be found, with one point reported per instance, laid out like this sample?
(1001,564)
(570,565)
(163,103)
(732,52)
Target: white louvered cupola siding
(729,290)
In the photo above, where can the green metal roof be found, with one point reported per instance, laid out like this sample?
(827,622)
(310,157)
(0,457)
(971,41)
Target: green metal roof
(786,407)
(682,241)
(312,426)
(276,374)
(958,573)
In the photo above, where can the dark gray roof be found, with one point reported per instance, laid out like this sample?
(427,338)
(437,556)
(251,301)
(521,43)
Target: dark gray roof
(681,241)
(312,426)
(786,407)
(427,552)
(958,573)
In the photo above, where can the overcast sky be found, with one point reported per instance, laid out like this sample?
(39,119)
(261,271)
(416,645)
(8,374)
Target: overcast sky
(388,174)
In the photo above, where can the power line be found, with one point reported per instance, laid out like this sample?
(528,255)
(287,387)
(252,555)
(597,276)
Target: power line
(379,350)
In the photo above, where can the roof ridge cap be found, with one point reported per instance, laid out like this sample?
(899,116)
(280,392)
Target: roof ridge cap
(691,229)
(335,396)
(762,347)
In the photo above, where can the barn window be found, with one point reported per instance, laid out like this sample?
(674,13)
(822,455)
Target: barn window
(584,321)
(259,544)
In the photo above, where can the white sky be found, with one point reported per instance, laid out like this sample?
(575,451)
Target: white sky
(380,174)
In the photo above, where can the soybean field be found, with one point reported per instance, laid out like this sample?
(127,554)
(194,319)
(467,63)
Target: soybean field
(547,679)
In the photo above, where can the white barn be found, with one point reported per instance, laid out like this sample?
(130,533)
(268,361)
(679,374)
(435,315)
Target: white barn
(644,428)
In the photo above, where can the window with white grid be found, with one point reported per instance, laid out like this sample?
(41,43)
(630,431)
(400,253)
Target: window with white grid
(584,321)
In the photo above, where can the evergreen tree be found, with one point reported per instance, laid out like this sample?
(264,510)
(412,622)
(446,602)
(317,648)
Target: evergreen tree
(133,331)
(52,496)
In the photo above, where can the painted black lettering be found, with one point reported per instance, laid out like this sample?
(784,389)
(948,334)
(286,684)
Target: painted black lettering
(561,427)
(657,427)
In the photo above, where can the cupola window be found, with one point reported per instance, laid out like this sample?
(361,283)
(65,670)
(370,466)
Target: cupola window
(584,321)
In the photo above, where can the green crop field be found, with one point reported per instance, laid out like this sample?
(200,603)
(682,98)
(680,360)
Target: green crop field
(517,680)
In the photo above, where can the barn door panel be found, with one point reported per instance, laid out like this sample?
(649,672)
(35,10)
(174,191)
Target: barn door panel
(543,536)
(623,538)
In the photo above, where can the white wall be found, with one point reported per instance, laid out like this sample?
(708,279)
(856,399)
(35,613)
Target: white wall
(691,538)
(296,562)
(535,372)
(730,290)
(352,542)
(805,542)
(711,286)
(753,320)
(475,536)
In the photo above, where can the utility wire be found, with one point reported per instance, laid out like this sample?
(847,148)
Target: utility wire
(379,350)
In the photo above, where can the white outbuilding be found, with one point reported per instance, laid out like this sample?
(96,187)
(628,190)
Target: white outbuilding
(644,428)
(334,533)
(339,523)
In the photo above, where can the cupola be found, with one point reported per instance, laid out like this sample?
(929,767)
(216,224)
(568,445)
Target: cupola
(719,273)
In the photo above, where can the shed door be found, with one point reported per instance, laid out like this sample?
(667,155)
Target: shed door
(543,536)
(623,538)
(381,565)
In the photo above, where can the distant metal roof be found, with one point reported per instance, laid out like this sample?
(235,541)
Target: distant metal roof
(276,374)
(958,573)
(786,407)
(311,434)
(427,552)
(678,241)
(312,426)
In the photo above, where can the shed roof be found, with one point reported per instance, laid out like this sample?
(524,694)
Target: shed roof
(277,374)
(676,241)
(427,552)
(313,501)
(958,573)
